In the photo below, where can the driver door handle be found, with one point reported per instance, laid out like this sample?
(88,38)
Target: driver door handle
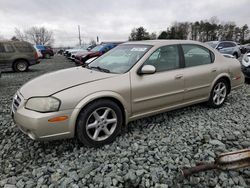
(179,76)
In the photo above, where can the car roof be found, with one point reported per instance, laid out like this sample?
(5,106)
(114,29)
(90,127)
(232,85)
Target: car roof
(13,41)
(163,42)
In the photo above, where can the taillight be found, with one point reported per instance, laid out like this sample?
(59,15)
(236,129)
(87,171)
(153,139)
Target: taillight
(36,55)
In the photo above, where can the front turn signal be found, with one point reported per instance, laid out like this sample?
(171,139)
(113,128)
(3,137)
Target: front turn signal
(57,119)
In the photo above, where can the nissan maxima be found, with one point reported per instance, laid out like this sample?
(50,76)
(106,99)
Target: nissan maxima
(132,81)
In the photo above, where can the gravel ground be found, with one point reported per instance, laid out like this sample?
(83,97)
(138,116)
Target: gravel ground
(150,153)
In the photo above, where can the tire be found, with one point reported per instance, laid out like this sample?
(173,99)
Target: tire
(21,66)
(221,90)
(99,123)
(236,55)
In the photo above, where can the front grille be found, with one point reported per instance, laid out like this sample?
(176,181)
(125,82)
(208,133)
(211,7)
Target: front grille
(16,102)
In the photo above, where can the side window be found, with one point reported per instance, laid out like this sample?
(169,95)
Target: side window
(230,44)
(2,50)
(165,58)
(196,55)
(23,47)
(9,48)
(105,49)
(222,45)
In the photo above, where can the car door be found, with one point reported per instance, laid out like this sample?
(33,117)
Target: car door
(199,72)
(164,88)
(226,48)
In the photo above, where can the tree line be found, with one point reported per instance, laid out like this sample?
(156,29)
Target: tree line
(35,35)
(204,30)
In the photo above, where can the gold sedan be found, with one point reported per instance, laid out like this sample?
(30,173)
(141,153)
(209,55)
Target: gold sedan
(133,80)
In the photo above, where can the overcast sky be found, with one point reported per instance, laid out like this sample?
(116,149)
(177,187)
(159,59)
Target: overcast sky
(112,20)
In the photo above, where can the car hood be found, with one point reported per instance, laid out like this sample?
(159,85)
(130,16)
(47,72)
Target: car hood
(54,82)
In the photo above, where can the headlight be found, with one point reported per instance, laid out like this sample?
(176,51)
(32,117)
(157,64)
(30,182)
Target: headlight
(43,104)
(245,61)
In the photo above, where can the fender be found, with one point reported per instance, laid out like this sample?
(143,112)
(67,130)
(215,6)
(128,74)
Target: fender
(102,94)
(218,77)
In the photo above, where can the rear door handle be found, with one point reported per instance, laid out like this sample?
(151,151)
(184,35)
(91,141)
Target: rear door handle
(179,76)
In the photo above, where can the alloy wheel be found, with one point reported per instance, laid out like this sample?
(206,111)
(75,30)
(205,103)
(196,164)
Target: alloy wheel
(219,93)
(21,66)
(101,124)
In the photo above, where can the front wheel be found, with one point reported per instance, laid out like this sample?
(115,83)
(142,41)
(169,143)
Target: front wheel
(99,123)
(218,94)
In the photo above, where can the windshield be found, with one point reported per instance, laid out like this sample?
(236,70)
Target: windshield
(212,44)
(97,48)
(120,59)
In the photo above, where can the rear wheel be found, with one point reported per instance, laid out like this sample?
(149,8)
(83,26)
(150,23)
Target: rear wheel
(20,66)
(99,123)
(218,94)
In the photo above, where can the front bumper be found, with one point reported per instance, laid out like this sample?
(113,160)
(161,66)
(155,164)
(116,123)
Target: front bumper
(78,62)
(37,126)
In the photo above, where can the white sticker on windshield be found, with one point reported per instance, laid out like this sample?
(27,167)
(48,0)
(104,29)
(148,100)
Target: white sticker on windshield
(139,49)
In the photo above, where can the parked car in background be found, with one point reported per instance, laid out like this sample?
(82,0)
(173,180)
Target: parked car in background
(40,55)
(242,49)
(97,51)
(60,51)
(71,53)
(226,47)
(17,55)
(133,80)
(246,65)
(46,51)
(246,48)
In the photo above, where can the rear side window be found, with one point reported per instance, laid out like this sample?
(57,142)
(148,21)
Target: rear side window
(2,50)
(23,47)
(9,48)
(165,58)
(227,44)
(195,55)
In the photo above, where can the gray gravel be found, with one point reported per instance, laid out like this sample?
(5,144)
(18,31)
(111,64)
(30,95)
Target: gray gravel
(150,153)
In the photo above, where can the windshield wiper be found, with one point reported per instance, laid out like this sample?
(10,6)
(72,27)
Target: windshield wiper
(99,68)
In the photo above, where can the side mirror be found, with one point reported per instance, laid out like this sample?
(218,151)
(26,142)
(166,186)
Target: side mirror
(147,69)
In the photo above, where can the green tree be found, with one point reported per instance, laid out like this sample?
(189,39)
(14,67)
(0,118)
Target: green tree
(163,35)
(153,36)
(244,32)
(139,33)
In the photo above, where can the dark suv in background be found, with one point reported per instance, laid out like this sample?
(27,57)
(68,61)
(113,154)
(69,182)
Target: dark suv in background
(226,47)
(17,55)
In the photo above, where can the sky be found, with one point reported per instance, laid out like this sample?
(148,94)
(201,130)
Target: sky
(112,20)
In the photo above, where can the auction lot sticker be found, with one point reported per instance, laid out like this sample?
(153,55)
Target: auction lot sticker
(139,49)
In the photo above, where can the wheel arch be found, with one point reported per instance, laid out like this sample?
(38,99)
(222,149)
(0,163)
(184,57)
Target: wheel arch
(226,77)
(115,97)
(19,59)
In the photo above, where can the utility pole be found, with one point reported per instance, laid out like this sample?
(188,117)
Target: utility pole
(79,35)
